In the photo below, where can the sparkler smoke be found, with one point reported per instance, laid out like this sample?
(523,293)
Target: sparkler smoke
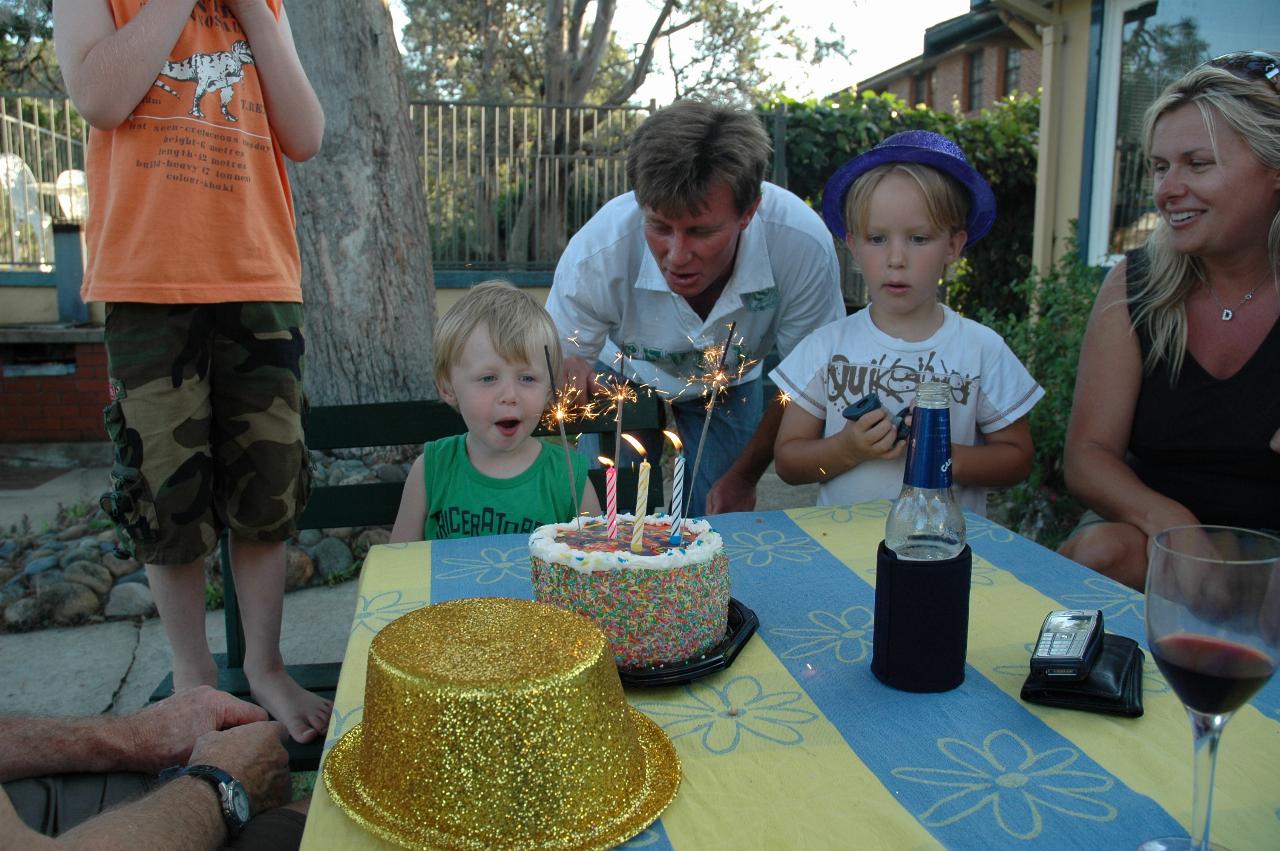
(558,407)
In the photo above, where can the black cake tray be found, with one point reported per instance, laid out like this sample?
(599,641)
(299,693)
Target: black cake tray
(742,625)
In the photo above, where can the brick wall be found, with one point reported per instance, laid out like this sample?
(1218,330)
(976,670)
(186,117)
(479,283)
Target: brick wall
(950,78)
(57,408)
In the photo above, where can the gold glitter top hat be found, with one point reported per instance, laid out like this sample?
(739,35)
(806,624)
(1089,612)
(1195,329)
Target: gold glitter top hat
(496,723)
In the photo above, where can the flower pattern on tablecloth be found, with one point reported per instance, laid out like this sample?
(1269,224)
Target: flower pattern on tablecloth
(722,716)
(1020,669)
(342,722)
(876,510)
(976,526)
(1115,600)
(491,564)
(848,634)
(381,609)
(763,548)
(1018,784)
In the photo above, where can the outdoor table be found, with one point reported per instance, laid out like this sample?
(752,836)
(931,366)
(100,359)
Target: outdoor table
(819,754)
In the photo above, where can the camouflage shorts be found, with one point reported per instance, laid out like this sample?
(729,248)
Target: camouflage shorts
(205,415)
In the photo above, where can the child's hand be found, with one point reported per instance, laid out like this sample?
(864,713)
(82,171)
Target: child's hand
(871,436)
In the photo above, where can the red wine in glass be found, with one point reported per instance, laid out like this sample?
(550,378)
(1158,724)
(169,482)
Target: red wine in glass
(1213,626)
(1211,675)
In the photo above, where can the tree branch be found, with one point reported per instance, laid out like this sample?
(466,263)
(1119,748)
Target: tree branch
(641,68)
(586,66)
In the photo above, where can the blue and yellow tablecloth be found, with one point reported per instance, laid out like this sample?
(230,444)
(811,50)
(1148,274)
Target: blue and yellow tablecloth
(819,754)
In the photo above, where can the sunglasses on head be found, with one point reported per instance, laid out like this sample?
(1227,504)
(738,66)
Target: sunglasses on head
(1250,65)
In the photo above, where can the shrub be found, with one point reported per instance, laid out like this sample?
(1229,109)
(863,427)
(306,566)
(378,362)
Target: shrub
(1047,341)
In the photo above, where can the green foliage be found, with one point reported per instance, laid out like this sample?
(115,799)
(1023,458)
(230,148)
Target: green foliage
(534,50)
(1047,341)
(213,597)
(1000,142)
(350,573)
(27,61)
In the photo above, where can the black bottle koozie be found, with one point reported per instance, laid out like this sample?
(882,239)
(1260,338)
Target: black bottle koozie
(922,621)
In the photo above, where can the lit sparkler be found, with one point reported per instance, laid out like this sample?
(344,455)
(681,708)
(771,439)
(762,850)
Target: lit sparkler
(715,381)
(559,406)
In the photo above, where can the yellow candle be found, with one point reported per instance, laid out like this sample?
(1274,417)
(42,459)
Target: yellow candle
(642,504)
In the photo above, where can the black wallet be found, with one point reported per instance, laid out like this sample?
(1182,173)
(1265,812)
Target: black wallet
(1114,684)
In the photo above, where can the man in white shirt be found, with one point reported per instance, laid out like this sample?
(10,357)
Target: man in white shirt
(659,275)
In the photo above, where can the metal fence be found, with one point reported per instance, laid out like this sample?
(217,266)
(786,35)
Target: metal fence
(507,185)
(42,145)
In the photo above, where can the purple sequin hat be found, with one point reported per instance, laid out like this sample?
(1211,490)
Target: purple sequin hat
(914,146)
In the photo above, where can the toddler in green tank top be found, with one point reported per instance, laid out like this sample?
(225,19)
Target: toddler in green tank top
(497,478)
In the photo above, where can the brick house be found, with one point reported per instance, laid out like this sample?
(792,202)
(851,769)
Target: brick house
(968,62)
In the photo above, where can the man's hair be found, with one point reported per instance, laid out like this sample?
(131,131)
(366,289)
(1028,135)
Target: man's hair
(1252,109)
(519,327)
(946,201)
(680,151)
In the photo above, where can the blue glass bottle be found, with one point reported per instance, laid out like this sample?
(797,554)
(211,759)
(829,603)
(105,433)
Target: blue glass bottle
(926,523)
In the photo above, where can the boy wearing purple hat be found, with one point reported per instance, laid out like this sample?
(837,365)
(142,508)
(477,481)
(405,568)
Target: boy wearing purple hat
(907,209)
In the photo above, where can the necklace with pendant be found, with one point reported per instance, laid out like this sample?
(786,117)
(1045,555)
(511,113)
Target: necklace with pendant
(1228,312)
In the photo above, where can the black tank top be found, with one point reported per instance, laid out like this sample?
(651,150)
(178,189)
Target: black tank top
(1205,441)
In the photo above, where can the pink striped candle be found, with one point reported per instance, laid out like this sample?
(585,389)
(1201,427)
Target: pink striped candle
(611,496)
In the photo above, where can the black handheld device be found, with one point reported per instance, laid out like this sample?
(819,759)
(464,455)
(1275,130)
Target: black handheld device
(1068,645)
(869,403)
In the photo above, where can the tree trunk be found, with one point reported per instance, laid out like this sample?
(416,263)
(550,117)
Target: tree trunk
(362,217)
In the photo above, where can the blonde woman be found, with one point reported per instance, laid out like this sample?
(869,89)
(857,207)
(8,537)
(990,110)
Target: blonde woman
(1176,417)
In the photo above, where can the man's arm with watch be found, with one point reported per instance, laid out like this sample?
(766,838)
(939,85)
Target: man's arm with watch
(189,811)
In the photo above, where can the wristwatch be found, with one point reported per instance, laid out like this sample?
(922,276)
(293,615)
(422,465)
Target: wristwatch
(232,797)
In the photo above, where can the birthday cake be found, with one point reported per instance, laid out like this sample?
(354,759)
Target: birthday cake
(668,603)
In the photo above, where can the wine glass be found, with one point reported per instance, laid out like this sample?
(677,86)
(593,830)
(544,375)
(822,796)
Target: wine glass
(1213,627)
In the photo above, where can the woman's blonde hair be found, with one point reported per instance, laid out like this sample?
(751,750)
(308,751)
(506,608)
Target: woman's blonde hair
(1252,109)
(519,327)
(946,201)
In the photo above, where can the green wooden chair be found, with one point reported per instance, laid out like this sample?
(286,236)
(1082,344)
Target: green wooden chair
(376,504)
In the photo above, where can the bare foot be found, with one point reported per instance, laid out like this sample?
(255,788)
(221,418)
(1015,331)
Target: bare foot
(305,714)
(185,677)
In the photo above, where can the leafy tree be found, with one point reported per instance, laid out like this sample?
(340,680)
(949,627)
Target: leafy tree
(525,50)
(27,61)
(552,52)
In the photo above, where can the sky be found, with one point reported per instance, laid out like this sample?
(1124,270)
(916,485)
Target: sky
(880,34)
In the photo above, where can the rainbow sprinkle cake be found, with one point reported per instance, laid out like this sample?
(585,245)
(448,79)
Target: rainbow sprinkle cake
(662,605)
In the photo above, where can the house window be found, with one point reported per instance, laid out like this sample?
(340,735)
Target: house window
(920,89)
(975,82)
(1012,70)
(1145,46)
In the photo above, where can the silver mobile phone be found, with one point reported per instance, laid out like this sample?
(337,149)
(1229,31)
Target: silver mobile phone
(1069,643)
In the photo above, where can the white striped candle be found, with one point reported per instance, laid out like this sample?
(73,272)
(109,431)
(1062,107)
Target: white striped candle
(677,490)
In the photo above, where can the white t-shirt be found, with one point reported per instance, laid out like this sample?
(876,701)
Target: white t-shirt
(840,363)
(609,294)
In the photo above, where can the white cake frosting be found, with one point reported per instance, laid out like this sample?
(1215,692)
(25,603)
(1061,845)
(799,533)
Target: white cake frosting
(544,544)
